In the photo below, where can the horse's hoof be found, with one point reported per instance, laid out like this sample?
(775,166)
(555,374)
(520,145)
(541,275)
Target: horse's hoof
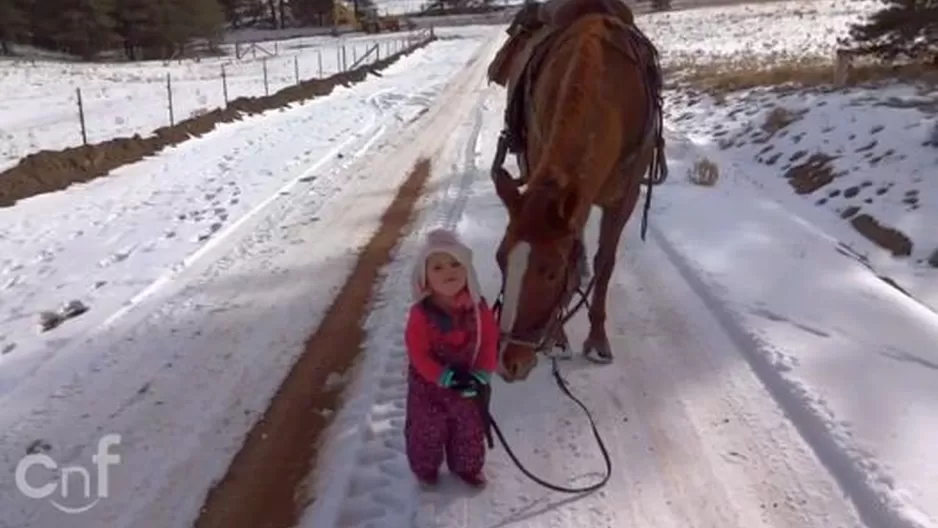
(561,352)
(597,351)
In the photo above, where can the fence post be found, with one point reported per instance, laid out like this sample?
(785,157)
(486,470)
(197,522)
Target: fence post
(296,69)
(81,117)
(169,98)
(354,53)
(224,84)
(338,59)
(842,63)
(319,56)
(344,58)
(266,88)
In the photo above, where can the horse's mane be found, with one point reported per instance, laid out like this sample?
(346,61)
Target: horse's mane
(545,212)
(564,12)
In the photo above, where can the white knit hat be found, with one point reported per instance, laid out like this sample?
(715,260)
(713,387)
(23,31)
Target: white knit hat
(445,241)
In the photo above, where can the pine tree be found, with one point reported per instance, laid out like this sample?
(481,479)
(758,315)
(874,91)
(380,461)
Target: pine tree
(906,28)
(202,19)
(312,12)
(138,24)
(14,23)
(160,29)
(81,27)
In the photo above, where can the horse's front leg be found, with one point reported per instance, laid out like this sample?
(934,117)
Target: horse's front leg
(604,262)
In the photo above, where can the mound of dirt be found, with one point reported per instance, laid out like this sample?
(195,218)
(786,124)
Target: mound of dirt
(885,237)
(53,170)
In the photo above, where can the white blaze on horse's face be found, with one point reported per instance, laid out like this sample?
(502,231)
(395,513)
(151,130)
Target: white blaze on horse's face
(515,269)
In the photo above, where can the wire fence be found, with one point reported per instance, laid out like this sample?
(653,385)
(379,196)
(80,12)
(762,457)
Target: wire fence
(123,100)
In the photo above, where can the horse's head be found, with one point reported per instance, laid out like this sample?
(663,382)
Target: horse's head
(537,260)
(525,22)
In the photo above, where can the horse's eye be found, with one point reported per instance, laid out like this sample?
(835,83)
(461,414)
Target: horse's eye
(548,274)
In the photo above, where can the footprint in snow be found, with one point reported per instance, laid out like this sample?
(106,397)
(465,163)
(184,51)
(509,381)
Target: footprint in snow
(116,257)
(211,230)
(13,281)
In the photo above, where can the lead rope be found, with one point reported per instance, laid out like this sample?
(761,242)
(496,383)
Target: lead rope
(564,387)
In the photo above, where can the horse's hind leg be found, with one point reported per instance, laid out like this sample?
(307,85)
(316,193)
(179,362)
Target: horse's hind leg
(604,262)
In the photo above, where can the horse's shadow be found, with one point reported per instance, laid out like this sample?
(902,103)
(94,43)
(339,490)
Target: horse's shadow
(532,510)
(526,511)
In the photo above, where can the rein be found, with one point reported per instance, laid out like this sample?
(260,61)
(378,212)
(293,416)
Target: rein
(558,318)
(564,387)
(560,314)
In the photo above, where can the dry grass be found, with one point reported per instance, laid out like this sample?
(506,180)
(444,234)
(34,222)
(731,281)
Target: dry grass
(704,172)
(778,119)
(729,76)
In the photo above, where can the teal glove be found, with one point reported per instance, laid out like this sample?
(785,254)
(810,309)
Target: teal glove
(465,383)
(446,378)
(482,376)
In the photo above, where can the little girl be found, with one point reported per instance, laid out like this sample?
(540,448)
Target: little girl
(451,335)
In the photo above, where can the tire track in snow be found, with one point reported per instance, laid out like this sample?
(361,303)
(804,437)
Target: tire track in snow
(381,489)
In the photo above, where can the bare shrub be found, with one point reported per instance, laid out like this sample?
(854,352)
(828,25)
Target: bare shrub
(778,118)
(933,259)
(704,172)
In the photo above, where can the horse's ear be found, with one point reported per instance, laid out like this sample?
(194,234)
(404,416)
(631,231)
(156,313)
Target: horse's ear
(500,67)
(549,210)
(567,208)
(558,208)
(507,190)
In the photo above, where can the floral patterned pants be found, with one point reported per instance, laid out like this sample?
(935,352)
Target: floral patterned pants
(440,421)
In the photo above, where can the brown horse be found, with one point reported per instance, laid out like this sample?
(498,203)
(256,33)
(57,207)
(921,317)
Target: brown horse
(584,120)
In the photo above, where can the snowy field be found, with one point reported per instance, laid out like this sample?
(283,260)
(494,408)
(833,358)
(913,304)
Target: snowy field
(764,376)
(878,146)
(39,105)
(756,33)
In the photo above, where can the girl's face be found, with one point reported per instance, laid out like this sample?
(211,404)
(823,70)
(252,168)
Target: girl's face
(445,275)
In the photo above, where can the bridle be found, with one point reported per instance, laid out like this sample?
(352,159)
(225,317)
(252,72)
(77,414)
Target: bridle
(543,337)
